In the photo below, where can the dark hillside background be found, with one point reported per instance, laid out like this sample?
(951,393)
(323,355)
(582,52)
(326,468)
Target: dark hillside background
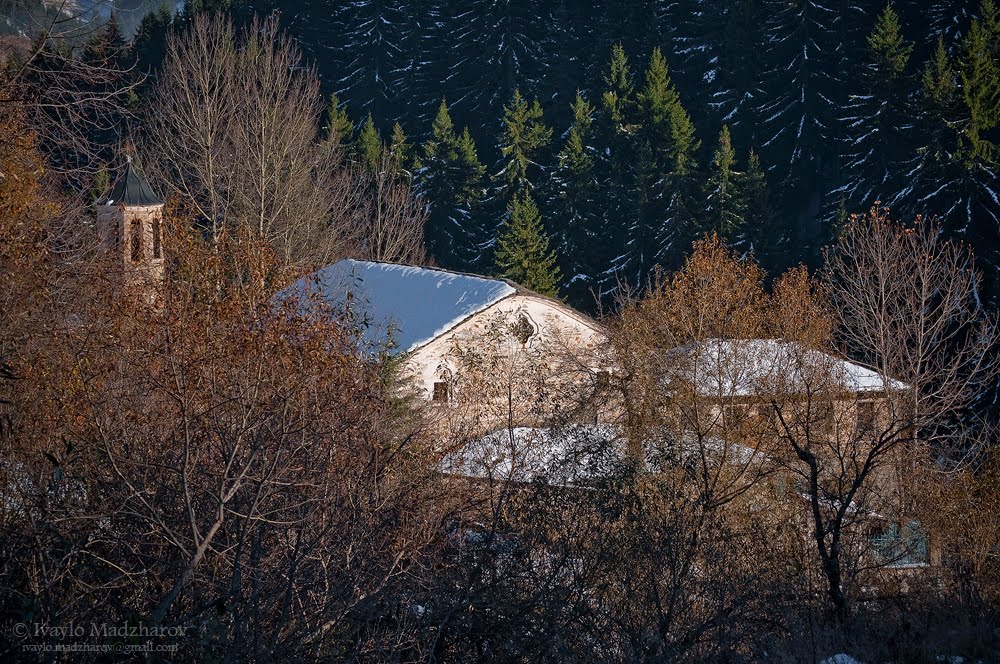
(768,121)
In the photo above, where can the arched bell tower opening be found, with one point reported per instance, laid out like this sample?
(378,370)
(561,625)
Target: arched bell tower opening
(130,227)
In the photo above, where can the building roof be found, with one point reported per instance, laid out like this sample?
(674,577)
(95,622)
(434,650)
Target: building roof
(404,304)
(750,367)
(132,189)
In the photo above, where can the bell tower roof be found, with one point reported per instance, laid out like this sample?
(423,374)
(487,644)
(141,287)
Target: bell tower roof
(131,189)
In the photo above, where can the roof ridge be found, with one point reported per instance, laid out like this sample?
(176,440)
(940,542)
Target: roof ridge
(518,288)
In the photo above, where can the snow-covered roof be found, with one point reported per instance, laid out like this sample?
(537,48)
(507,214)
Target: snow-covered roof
(749,367)
(405,304)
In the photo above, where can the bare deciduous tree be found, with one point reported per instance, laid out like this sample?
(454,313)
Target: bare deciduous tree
(234,131)
(394,216)
(906,300)
(72,102)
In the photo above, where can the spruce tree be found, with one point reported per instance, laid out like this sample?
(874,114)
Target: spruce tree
(681,179)
(451,179)
(810,46)
(954,172)
(876,135)
(368,145)
(579,246)
(762,231)
(339,128)
(524,136)
(149,43)
(619,90)
(890,53)
(471,170)
(654,154)
(402,153)
(106,46)
(523,254)
(725,205)
(615,170)
(979,74)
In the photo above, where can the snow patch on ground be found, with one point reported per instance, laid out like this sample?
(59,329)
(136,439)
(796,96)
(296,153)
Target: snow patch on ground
(840,658)
(563,456)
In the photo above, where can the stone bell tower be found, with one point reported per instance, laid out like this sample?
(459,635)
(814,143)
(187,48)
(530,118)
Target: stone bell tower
(130,225)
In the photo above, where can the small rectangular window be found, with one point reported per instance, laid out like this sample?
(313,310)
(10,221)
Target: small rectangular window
(157,249)
(735,415)
(823,422)
(442,392)
(135,233)
(865,423)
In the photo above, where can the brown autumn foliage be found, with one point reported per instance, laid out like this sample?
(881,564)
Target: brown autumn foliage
(218,463)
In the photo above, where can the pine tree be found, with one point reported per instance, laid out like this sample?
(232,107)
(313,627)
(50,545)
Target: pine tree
(877,134)
(980,82)
(761,230)
(618,95)
(402,152)
(451,179)
(680,179)
(726,208)
(524,136)
(523,254)
(339,128)
(580,248)
(368,145)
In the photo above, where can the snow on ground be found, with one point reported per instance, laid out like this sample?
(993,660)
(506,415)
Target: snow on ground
(409,305)
(840,658)
(561,456)
(579,454)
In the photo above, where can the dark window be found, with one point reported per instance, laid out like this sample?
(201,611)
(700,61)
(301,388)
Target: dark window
(865,424)
(157,251)
(136,239)
(522,330)
(824,422)
(442,391)
(735,415)
(906,545)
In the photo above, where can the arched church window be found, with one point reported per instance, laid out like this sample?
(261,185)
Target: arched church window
(135,238)
(443,383)
(157,247)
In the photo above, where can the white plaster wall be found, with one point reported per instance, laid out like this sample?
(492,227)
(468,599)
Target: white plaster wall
(554,325)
